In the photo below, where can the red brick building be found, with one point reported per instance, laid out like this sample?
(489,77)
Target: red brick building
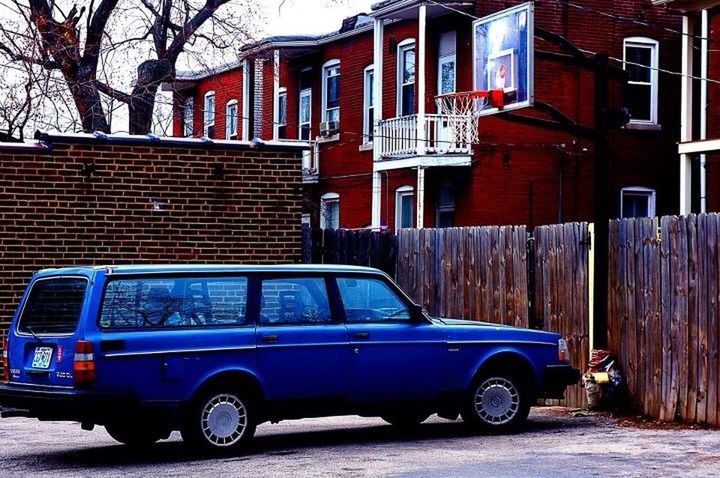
(325,89)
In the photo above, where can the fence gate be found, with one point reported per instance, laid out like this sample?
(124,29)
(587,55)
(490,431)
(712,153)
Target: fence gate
(562,292)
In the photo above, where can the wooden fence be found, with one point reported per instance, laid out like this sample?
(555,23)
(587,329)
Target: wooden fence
(665,316)
(349,247)
(562,292)
(663,297)
(476,273)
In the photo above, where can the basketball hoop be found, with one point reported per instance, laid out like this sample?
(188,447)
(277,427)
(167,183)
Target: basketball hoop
(467,105)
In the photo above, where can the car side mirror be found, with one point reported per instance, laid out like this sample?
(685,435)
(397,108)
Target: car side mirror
(416,313)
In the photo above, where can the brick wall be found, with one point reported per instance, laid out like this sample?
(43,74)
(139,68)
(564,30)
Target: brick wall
(52,216)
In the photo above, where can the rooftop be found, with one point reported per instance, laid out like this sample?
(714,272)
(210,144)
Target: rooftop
(204,269)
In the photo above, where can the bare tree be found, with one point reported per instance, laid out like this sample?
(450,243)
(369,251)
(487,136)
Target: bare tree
(80,42)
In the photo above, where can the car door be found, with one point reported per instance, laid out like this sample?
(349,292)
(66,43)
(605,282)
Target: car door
(303,350)
(394,356)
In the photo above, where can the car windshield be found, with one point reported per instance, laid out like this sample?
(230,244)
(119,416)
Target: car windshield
(53,306)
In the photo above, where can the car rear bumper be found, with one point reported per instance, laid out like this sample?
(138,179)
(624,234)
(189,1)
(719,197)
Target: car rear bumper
(65,403)
(556,378)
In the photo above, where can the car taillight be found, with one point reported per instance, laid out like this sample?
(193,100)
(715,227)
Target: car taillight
(5,363)
(84,363)
(563,352)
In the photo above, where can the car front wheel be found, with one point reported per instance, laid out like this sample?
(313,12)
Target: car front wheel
(219,420)
(497,402)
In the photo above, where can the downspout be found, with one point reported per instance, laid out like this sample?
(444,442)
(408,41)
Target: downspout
(703,107)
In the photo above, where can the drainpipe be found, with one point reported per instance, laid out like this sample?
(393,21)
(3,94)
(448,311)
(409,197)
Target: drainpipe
(378,33)
(686,116)
(703,107)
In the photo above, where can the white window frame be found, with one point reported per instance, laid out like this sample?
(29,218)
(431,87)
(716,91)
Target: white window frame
(401,192)
(403,46)
(324,200)
(326,68)
(208,113)
(282,93)
(449,58)
(368,103)
(231,133)
(654,47)
(650,193)
(308,124)
(187,117)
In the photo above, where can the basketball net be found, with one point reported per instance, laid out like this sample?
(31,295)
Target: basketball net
(466,107)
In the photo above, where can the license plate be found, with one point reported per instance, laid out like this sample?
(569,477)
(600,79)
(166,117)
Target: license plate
(42,357)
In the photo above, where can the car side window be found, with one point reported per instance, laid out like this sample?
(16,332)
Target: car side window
(371,300)
(174,302)
(290,300)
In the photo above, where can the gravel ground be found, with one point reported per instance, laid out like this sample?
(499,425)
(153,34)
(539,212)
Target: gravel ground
(555,444)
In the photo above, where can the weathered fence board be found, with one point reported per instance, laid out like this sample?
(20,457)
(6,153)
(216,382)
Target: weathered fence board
(476,273)
(667,343)
(561,291)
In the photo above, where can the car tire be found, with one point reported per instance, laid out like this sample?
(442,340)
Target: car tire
(135,435)
(219,420)
(497,402)
(405,420)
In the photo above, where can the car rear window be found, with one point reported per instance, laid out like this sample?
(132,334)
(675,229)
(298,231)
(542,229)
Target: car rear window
(53,306)
(174,302)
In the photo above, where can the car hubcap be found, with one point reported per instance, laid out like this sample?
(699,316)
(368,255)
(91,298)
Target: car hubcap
(497,401)
(224,420)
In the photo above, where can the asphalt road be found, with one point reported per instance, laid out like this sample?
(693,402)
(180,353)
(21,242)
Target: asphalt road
(554,444)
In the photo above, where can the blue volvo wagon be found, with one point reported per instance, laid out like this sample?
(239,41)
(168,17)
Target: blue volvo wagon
(213,351)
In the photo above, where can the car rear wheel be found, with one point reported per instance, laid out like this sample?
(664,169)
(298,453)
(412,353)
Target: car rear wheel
(134,434)
(497,402)
(220,420)
(406,419)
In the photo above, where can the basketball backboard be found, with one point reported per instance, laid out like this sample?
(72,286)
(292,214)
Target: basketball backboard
(503,56)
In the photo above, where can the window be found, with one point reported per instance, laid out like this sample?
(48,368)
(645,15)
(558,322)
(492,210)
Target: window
(187,118)
(637,202)
(641,63)
(209,114)
(174,302)
(305,105)
(294,301)
(371,300)
(330,211)
(282,114)
(447,63)
(445,205)
(53,306)
(231,119)
(404,210)
(406,78)
(331,91)
(368,105)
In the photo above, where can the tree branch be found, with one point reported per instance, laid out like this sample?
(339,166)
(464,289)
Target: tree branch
(112,92)
(207,11)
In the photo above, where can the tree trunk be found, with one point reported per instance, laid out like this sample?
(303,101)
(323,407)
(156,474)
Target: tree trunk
(151,74)
(89,106)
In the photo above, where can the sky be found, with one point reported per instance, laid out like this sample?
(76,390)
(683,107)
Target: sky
(307,17)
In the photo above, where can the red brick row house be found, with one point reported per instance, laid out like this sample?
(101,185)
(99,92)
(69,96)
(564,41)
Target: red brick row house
(362,170)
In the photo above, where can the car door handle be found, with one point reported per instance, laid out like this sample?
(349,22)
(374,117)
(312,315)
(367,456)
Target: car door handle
(361,335)
(112,345)
(270,339)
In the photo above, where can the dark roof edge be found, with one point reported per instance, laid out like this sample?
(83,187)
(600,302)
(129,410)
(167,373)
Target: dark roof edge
(48,139)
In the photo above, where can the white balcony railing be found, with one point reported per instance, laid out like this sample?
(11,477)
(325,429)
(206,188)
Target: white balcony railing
(398,137)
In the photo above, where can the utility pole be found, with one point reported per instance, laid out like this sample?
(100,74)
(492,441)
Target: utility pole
(601,199)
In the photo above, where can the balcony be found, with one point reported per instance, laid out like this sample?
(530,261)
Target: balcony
(399,138)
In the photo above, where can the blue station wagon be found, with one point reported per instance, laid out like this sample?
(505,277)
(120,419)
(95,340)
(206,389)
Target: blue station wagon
(212,351)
